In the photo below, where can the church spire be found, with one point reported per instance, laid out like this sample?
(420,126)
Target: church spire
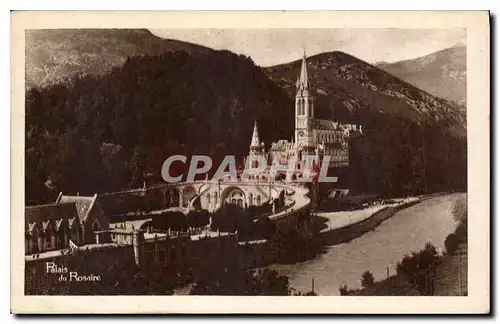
(255,136)
(303,82)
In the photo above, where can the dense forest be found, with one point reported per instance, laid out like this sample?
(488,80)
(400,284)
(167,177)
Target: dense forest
(97,133)
(101,133)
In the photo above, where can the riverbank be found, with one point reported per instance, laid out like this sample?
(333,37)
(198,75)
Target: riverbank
(451,274)
(343,234)
(451,280)
(339,219)
(402,231)
(343,226)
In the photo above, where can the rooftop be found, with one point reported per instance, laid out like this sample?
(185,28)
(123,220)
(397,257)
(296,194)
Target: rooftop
(50,212)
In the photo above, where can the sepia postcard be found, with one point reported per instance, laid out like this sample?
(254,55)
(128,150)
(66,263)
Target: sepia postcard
(250,162)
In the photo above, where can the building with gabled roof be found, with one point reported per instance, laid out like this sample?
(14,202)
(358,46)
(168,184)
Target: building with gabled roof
(70,220)
(90,214)
(51,227)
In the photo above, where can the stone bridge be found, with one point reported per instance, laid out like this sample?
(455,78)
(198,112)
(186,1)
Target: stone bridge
(286,199)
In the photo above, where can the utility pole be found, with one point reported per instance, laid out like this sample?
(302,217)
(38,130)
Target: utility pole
(459,272)
(387,281)
(312,284)
(423,157)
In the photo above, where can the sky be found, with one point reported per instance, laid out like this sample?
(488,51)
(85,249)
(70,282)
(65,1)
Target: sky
(269,47)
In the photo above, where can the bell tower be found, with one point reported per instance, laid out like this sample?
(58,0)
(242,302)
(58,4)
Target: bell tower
(304,109)
(257,148)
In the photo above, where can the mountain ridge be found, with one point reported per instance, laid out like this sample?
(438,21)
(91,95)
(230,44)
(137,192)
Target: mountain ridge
(54,56)
(442,73)
(126,117)
(345,83)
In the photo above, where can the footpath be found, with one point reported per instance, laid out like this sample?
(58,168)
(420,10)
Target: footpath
(342,227)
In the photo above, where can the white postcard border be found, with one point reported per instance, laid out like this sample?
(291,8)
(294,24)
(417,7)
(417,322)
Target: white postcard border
(478,118)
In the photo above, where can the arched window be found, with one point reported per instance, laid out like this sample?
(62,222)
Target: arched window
(208,199)
(41,241)
(258,200)
(27,243)
(95,226)
(49,238)
(62,238)
(250,199)
(79,235)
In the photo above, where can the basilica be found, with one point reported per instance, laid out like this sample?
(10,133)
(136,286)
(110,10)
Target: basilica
(316,137)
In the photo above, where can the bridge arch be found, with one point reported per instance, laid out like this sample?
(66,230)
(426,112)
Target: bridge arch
(187,194)
(195,203)
(172,197)
(234,195)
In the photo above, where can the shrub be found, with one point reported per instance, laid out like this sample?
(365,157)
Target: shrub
(343,290)
(198,218)
(461,233)
(451,243)
(419,268)
(175,221)
(367,279)
(239,282)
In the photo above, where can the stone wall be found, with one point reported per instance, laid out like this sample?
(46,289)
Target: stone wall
(348,233)
(149,267)
(85,272)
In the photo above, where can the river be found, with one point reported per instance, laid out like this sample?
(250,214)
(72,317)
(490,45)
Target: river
(406,231)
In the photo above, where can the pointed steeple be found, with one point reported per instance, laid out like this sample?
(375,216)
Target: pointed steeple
(303,82)
(255,137)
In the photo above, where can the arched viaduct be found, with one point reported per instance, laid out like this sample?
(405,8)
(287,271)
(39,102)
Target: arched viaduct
(287,200)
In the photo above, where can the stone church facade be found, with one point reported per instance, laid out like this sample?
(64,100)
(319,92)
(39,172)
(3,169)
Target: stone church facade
(312,136)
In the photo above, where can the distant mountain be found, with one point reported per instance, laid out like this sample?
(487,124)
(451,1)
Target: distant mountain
(443,73)
(352,90)
(53,55)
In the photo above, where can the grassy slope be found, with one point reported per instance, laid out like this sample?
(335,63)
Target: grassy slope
(54,55)
(447,274)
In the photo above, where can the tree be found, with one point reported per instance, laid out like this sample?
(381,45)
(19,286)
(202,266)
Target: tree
(367,279)
(265,282)
(451,243)
(198,218)
(231,218)
(175,221)
(459,210)
(461,233)
(137,166)
(343,290)
(419,268)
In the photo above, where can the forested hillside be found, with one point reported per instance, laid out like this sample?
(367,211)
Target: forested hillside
(101,133)
(98,131)
(413,141)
